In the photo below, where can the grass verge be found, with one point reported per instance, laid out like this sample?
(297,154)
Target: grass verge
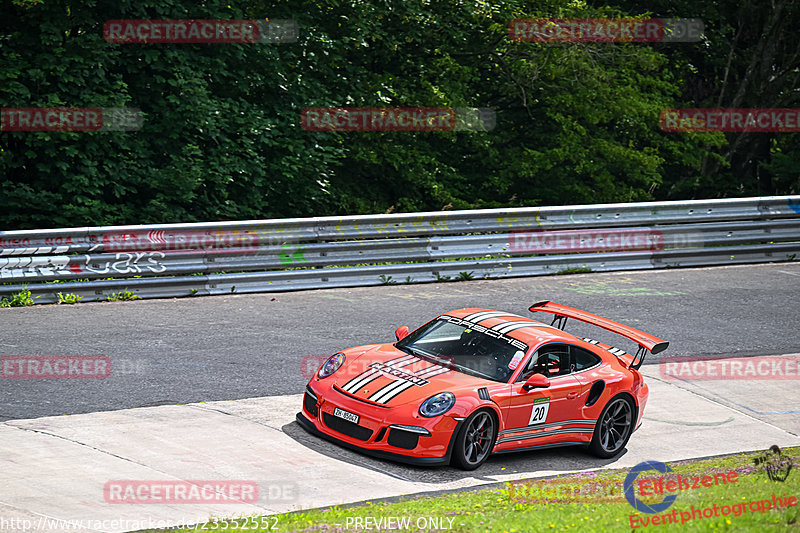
(587,502)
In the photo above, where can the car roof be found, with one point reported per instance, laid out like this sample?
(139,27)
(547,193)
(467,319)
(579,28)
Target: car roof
(514,326)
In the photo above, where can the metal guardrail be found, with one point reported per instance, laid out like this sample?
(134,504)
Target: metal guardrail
(170,260)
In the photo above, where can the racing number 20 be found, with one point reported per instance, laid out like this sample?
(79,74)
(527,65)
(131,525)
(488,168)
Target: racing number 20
(539,411)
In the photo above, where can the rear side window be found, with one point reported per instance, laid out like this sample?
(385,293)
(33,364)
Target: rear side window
(583,359)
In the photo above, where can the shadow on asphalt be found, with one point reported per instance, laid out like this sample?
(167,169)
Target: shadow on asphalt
(566,459)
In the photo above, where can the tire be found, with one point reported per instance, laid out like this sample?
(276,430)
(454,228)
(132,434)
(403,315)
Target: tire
(474,441)
(613,428)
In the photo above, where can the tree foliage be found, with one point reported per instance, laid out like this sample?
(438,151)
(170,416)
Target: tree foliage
(221,140)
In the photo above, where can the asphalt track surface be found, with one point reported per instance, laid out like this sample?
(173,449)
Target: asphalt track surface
(243,346)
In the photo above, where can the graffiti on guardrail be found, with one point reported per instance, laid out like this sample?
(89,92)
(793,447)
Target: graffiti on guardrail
(128,263)
(418,225)
(292,254)
(63,265)
(54,245)
(35,266)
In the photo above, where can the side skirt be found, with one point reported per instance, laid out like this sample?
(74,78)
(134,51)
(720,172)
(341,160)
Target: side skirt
(542,447)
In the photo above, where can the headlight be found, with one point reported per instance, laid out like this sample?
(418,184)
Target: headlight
(331,365)
(437,405)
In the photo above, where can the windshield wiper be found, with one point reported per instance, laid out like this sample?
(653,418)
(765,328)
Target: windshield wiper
(406,349)
(441,360)
(426,356)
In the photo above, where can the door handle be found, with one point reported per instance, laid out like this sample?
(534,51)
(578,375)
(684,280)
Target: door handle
(572,395)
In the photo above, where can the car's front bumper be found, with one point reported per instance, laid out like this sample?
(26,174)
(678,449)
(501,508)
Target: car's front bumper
(381,454)
(379,431)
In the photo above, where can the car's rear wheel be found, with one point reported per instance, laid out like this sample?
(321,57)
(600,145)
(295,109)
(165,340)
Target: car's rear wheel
(614,428)
(474,441)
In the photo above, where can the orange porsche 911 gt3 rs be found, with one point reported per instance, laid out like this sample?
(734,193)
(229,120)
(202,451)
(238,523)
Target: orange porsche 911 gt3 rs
(474,382)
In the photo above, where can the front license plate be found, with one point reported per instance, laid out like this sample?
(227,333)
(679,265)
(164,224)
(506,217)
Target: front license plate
(341,413)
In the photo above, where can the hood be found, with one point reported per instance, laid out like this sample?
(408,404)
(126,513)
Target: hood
(391,377)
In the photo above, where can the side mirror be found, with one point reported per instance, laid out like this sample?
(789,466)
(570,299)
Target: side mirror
(401,332)
(536,381)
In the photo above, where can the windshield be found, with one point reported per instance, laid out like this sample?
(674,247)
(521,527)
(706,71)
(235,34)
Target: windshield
(456,344)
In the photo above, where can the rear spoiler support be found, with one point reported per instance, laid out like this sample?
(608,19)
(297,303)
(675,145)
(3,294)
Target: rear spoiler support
(640,355)
(645,341)
(559,321)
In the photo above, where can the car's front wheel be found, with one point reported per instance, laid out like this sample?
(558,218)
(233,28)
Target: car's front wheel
(613,429)
(474,441)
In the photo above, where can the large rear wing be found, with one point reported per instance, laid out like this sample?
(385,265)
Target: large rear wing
(647,342)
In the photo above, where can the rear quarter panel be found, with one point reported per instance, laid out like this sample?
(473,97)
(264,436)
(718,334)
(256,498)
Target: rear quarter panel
(617,378)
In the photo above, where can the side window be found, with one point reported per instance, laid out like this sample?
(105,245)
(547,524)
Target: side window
(583,359)
(551,360)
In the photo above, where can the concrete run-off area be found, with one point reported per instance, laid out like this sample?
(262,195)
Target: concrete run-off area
(60,468)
